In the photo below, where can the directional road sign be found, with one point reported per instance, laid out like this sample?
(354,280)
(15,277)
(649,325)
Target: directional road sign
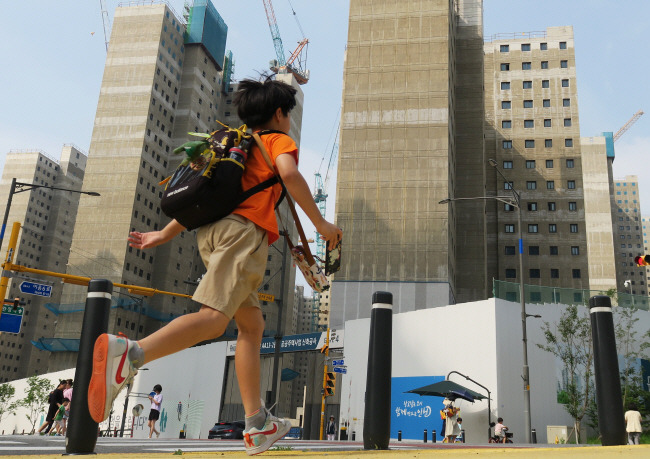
(343,370)
(11,319)
(33,288)
(338,362)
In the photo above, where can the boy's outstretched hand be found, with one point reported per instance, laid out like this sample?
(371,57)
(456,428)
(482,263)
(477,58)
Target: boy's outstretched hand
(330,232)
(140,240)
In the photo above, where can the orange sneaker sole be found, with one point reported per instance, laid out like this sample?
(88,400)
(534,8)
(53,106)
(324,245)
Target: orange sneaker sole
(97,387)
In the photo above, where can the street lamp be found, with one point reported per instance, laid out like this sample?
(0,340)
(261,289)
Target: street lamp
(514,201)
(19,187)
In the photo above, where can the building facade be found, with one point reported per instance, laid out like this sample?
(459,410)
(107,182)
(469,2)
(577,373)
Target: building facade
(48,219)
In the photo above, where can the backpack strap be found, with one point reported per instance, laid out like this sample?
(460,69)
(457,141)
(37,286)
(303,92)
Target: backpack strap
(309,257)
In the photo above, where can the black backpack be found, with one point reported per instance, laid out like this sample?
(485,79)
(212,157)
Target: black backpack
(206,186)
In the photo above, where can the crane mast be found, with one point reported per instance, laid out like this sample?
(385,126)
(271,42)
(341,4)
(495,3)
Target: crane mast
(628,125)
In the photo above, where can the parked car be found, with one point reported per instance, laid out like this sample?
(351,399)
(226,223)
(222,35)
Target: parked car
(227,430)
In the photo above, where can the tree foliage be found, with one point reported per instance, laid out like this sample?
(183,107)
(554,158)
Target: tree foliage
(569,340)
(36,395)
(7,391)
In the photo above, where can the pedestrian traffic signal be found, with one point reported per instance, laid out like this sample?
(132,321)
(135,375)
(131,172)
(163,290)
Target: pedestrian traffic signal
(330,383)
(642,260)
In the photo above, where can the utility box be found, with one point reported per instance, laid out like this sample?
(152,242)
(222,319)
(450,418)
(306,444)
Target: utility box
(557,433)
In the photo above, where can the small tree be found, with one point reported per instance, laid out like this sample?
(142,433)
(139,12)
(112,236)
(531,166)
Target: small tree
(37,392)
(570,341)
(7,391)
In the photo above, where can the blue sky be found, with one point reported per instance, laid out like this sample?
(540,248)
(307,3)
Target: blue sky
(54,55)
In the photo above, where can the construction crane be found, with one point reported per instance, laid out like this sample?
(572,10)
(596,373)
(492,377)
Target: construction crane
(320,197)
(628,125)
(297,62)
(106,22)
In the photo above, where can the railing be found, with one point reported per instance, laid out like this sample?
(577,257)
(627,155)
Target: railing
(537,294)
(515,36)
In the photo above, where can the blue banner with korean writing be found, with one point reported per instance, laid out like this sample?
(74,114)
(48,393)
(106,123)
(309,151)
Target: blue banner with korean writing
(293,343)
(412,413)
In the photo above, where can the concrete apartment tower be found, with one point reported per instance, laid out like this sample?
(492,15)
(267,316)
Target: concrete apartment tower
(162,79)
(629,236)
(411,136)
(533,132)
(47,217)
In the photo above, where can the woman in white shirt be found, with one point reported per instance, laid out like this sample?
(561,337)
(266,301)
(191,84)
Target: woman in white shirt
(156,400)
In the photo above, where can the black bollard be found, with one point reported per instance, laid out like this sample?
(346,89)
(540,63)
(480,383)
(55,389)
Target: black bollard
(399,435)
(606,374)
(533,436)
(376,424)
(434,436)
(354,435)
(81,436)
(462,435)
(425,435)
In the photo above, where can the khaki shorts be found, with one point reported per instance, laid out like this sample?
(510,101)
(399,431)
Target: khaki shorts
(234,251)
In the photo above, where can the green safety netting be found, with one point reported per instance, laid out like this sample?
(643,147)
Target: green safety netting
(538,294)
(57,344)
(127,304)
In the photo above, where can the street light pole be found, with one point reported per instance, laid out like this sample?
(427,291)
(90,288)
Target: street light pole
(522,298)
(19,187)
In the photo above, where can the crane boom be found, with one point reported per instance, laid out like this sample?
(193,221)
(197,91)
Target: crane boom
(275,32)
(628,125)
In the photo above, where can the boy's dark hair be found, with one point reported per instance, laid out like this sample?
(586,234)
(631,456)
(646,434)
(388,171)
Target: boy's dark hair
(500,420)
(157,387)
(65,399)
(257,101)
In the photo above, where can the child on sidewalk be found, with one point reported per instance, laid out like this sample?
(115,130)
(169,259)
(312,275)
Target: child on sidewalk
(234,250)
(59,423)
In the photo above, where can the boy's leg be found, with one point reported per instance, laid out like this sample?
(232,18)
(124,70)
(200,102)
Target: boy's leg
(250,324)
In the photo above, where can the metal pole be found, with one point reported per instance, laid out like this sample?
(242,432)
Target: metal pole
(6,217)
(376,422)
(606,373)
(82,429)
(522,297)
(278,332)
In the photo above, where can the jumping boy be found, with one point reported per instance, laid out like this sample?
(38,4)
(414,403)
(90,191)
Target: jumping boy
(234,250)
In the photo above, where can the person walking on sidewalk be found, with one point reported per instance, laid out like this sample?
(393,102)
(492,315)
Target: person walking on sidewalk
(331,429)
(633,425)
(234,250)
(156,399)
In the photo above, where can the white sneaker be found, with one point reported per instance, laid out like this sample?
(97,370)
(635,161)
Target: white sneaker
(259,440)
(112,370)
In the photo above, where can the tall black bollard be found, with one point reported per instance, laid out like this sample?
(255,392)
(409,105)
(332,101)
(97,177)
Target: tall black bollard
(376,424)
(434,436)
(81,436)
(606,374)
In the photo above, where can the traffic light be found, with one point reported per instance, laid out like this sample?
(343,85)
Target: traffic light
(330,383)
(642,260)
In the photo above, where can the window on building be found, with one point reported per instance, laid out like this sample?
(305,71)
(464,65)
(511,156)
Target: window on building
(532,206)
(508,164)
(525,46)
(546,103)
(534,273)
(551,206)
(568,142)
(566,102)
(544,65)
(546,84)
(511,273)
(526,66)
(547,122)
(552,228)
(565,82)
(504,48)
(510,249)
(528,84)
(528,104)
(530,143)
(567,122)
(505,85)
(509,228)
(573,227)
(530,164)
(549,164)
(573,206)
(506,104)
(571,184)
(569,164)
(575,273)
(505,66)
(550,184)
(563,45)
(508,207)
(555,273)
(529,123)
(564,64)
(533,250)
(575,250)
(531,185)
(507,185)
(507,145)
(553,250)
(506,124)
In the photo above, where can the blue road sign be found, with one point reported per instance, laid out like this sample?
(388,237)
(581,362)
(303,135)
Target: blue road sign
(343,370)
(338,362)
(32,288)
(11,319)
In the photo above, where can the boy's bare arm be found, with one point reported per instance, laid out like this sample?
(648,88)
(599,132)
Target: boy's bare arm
(299,190)
(151,239)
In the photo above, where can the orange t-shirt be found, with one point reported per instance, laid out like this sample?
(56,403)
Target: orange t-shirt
(259,208)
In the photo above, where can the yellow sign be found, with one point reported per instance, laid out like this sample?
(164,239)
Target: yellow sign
(265,297)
